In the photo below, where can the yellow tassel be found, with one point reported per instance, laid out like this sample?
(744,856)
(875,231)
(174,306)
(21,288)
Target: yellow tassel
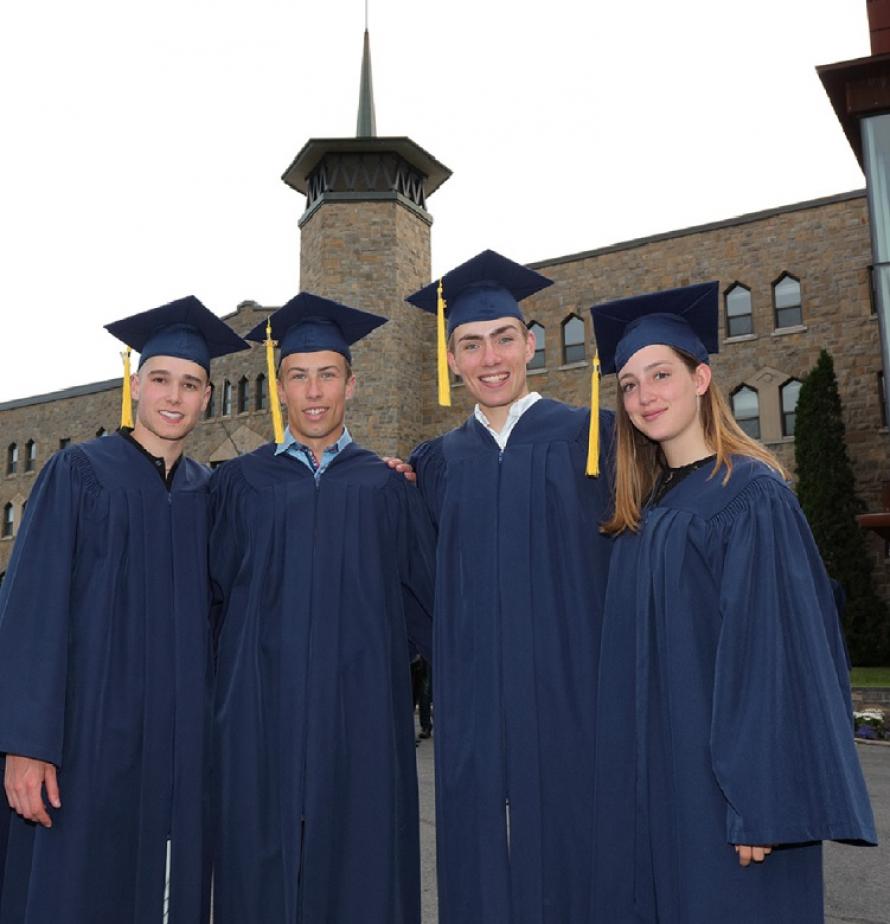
(274,403)
(441,357)
(126,396)
(593,439)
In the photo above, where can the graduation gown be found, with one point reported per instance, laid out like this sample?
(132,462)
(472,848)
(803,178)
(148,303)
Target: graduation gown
(520,581)
(104,655)
(315,791)
(723,712)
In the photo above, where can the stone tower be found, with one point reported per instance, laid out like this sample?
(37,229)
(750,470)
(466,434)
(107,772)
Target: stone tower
(365,241)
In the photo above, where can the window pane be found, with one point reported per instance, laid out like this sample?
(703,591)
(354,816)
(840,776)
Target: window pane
(573,340)
(745,403)
(738,301)
(227,398)
(242,395)
(787,293)
(260,402)
(539,359)
(751,427)
(790,392)
(789,317)
(740,325)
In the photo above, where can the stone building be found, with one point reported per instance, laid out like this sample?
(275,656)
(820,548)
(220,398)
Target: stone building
(793,279)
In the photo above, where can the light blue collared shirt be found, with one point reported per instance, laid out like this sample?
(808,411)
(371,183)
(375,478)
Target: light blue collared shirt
(304,453)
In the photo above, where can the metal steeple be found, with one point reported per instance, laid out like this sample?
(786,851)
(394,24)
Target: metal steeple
(366,124)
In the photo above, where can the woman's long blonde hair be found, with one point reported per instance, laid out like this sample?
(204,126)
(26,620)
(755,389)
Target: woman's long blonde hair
(638,460)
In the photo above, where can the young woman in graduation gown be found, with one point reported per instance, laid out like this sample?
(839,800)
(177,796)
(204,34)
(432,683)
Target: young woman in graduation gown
(725,751)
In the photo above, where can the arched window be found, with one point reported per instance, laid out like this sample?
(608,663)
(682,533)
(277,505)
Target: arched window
(227,398)
(30,456)
(538,361)
(8,521)
(739,316)
(789,394)
(12,459)
(259,400)
(746,410)
(243,394)
(786,300)
(573,340)
(210,410)
(101,432)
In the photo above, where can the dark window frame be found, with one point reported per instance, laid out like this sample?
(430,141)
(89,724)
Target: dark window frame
(12,458)
(539,357)
(788,428)
(570,350)
(243,394)
(731,321)
(260,402)
(226,409)
(8,527)
(784,325)
(30,455)
(746,422)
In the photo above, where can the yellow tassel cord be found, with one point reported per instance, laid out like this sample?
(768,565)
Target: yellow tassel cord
(126,396)
(593,439)
(441,347)
(274,403)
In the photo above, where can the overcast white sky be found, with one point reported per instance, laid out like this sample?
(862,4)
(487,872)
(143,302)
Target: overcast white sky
(143,144)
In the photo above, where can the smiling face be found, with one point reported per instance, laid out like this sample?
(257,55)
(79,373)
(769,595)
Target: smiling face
(661,397)
(172,394)
(315,388)
(490,357)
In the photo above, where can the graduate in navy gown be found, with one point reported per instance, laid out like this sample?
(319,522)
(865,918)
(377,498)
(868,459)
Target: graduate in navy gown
(521,573)
(725,750)
(104,647)
(322,558)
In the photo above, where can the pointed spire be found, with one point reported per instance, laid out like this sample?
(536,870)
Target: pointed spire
(366,125)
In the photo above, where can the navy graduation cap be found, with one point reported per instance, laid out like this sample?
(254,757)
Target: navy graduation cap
(184,328)
(309,324)
(684,318)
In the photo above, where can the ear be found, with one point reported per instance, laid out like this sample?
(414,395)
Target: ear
(452,363)
(135,384)
(702,378)
(208,389)
(350,387)
(530,345)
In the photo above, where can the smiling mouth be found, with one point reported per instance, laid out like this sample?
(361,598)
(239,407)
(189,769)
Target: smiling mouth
(653,415)
(315,413)
(494,379)
(172,416)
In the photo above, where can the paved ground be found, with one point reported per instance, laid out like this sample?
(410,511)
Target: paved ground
(857,880)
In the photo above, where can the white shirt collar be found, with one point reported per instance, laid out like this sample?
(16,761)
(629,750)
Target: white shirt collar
(517,409)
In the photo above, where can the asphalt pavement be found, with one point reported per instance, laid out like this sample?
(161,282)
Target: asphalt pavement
(857,879)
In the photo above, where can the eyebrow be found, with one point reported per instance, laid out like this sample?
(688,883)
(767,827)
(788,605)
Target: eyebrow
(311,368)
(491,333)
(659,362)
(188,377)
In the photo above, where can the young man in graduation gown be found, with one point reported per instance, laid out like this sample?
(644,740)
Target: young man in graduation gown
(104,645)
(322,558)
(521,572)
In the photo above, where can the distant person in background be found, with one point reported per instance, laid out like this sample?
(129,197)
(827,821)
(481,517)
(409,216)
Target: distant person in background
(725,753)
(422,689)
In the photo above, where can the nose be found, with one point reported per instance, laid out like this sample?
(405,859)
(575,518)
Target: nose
(645,394)
(313,387)
(490,354)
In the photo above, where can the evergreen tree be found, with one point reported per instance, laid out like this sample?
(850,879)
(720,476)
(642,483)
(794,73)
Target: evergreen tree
(827,493)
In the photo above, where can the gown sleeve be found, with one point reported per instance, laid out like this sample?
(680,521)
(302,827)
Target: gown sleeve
(226,532)
(428,462)
(782,745)
(35,612)
(417,553)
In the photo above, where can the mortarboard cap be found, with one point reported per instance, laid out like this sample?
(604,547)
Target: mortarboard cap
(184,328)
(684,318)
(309,324)
(485,288)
